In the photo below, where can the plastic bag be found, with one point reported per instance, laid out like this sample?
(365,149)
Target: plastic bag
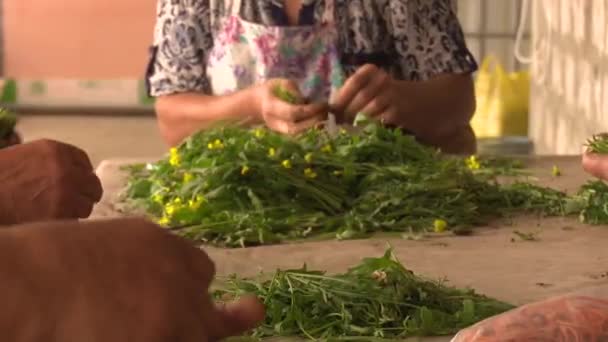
(567,318)
(502,101)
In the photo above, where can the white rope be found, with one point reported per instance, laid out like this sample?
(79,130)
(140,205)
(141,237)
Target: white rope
(523,19)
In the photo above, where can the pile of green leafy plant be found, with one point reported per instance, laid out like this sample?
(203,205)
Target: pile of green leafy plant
(379,298)
(232,186)
(8,120)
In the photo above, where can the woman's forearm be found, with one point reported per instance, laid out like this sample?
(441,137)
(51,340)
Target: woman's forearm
(183,114)
(437,109)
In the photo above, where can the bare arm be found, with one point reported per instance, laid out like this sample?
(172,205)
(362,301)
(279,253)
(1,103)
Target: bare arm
(437,110)
(435,91)
(567,318)
(177,77)
(181,115)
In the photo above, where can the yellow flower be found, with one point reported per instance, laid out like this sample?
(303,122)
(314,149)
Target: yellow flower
(158,198)
(556,172)
(338,173)
(188,177)
(272,152)
(472,163)
(343,131)
(195,203)
(244,170)
(174,158)
(170,209)
(286,163)
(308,157)
(217,144)
(259,133)
(310,173)
(177,200)
(163,221)
(326,149)
(439,226)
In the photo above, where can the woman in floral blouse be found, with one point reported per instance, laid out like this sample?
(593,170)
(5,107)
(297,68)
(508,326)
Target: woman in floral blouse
(403,62)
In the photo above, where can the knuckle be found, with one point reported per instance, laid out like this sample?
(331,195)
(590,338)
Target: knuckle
(371,67)
(367,95)
(384,77)
(372,70)
(48,146)
(358,81)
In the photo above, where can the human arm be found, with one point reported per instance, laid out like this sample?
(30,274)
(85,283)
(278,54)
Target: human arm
(180,115)
(436,94)
(430,91)
(448,104)
(185,102)
(565,318)
(176,73)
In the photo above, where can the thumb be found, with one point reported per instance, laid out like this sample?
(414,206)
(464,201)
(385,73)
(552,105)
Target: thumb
(235,318)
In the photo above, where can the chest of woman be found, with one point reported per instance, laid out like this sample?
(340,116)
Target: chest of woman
(362,25)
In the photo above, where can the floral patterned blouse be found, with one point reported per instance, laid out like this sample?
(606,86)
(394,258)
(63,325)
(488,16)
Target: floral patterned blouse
(412,39)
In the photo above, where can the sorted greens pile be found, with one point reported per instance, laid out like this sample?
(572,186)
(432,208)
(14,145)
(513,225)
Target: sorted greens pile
(8,120)
(232,186)
(379,298)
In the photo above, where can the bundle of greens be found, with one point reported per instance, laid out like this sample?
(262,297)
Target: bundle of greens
(379,298)
(8,120)
(232,186)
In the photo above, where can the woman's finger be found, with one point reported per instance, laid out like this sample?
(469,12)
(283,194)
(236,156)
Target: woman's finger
(352,86)
(291,128)
(376,87)
(378,107)
(295,113)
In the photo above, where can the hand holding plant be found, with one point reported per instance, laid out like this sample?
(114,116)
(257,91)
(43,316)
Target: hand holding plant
(283,109)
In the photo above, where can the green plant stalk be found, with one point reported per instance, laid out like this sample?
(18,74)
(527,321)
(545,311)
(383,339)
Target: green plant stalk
(379,298)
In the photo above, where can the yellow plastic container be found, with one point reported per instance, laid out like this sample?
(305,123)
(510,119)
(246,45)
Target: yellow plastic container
(502,101)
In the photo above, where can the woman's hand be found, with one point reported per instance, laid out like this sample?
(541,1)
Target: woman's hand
(283,116)
(371,91)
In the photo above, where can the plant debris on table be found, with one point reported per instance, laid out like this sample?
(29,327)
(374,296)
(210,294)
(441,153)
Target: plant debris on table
(233,186)
(379,298)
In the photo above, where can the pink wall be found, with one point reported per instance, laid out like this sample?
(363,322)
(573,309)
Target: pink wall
(77,38)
